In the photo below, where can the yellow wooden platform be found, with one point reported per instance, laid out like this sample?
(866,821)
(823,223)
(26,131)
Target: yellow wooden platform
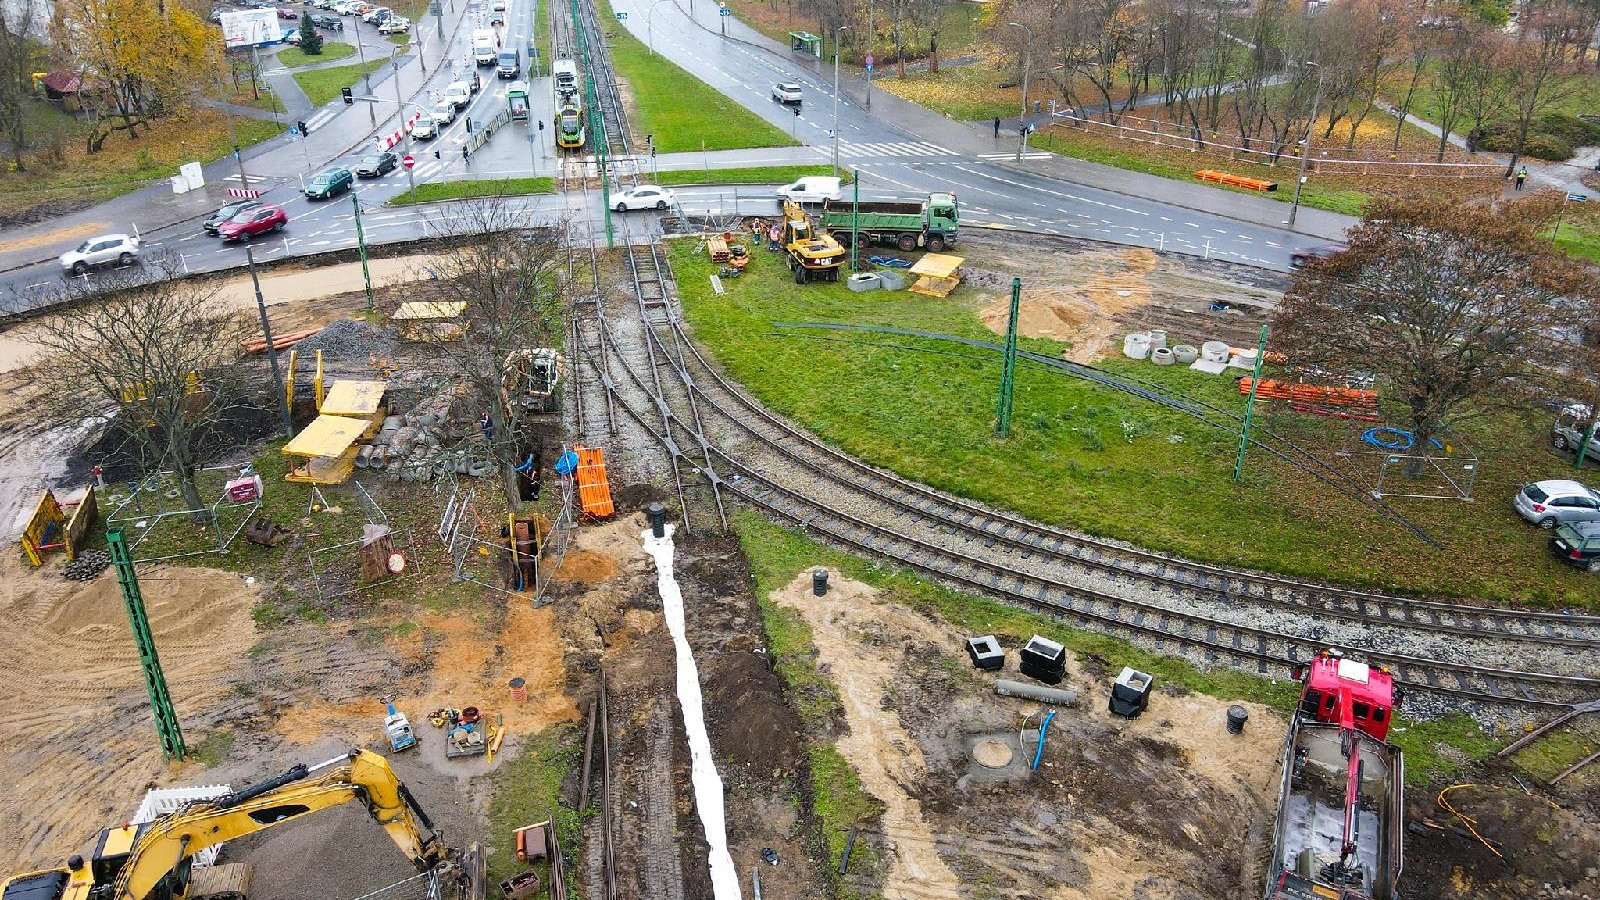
(326,449)
(936,274)
(357,400)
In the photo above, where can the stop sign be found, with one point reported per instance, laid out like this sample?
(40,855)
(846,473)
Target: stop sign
(408,161)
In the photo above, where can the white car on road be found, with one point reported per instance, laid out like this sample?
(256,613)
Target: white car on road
(107,249)
(425,128)
(787,92)
(644,196)
(443,113)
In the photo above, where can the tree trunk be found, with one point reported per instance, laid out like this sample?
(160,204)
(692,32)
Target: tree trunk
(187,485)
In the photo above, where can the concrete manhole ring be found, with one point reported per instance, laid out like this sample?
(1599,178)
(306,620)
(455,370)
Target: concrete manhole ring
(992,754)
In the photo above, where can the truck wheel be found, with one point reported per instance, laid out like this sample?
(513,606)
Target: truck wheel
(799,276)
(936,243)
(1560,441)
(906,243)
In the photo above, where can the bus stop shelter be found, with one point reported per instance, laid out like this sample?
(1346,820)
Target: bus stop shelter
(805,42)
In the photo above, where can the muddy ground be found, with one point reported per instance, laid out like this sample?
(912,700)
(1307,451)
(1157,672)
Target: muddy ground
(1089,294)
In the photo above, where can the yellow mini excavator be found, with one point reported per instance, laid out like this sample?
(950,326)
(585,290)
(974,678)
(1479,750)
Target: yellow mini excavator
(152,860)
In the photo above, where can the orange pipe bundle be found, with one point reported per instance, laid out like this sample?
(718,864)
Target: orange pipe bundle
(1327,395)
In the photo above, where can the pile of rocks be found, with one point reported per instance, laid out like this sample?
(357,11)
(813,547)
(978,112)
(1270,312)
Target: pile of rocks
(409,447)
(348,339)
(88,565)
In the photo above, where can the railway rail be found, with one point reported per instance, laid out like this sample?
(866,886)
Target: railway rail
(670,390)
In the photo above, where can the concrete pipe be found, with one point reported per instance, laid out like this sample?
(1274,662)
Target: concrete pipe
(1136,345)
(1161,356)
(1158,338)
(1185,354)
(364,457)
(1008,688)
(1214,351)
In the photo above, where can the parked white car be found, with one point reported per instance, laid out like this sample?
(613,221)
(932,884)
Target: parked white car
(107,249)
(811,189)
(376,16)
(395,25)
(644,196)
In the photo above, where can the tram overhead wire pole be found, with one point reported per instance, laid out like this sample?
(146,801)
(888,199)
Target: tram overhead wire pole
(1008,370)
(837,32)
(1250,406)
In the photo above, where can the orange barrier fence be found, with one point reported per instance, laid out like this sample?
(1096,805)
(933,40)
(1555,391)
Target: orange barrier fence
(1311,393)
(1253,184)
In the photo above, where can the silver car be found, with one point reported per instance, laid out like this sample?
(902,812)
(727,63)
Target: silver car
(1550,503)
(107,249)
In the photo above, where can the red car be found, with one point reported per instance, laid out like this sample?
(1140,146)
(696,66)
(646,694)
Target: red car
(285,12)
(252,222)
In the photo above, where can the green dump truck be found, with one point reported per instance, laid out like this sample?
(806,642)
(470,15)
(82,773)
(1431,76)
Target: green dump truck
(907,224)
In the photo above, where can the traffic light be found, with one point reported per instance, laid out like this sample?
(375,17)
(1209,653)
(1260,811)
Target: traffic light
(541,124)
(349,96)
(437,155)
(303,129)
(797,110)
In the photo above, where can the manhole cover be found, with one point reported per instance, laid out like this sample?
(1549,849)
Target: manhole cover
(992,754)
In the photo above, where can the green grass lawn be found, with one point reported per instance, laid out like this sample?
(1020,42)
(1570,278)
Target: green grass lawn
(294,56)
(526,790)
(1105,462)
(323,85)
(774,175)
(681,111)
(1580,239)
(460,190)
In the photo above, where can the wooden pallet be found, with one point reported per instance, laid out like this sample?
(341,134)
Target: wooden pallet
(1242,181)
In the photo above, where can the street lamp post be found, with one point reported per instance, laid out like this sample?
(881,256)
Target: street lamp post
(872,39)
(649,30)
(1305,147)
(366,75)
(837,32)
(255,280)
(1027,70)
(400,116)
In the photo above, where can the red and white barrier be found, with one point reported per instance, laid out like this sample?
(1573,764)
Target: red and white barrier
(387,141)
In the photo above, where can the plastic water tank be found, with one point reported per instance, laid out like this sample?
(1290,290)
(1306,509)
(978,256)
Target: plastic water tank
(1136,345)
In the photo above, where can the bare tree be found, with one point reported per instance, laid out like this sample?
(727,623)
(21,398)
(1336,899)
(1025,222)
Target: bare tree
(158,358)
(1466,83)
(1451,307)
(17,48)
(1420,43)
(1536,67)
(508,275)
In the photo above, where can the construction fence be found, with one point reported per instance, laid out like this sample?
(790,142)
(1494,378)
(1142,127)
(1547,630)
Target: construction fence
(1329,160)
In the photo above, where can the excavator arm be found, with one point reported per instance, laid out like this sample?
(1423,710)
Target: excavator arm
(362,776)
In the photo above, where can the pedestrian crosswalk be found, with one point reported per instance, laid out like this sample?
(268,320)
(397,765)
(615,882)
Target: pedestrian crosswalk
(893,148)
(321,117)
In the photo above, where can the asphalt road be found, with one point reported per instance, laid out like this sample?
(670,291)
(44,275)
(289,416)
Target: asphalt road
(891,161)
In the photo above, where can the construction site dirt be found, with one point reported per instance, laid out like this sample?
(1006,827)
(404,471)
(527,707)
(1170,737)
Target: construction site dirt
(1168,805)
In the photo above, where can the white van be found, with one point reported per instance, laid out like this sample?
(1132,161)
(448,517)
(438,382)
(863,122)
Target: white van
(458,94)
(483,48)
(811,189)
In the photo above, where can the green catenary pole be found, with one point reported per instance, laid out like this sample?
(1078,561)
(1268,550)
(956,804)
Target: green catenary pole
(1250,405)
(1583,448)
(156,682)
(1008,372)
(855,218)
(361,244)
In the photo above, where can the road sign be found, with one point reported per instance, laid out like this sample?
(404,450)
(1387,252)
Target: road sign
(244,193)
(408,161)
(869,67)
(726,11)
(1576,197)
(869,60)
(622,17)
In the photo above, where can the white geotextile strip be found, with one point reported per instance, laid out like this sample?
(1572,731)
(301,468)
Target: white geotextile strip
(703,772)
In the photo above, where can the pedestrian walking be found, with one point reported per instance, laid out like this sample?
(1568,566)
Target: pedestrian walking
(1522,176)
(997,128)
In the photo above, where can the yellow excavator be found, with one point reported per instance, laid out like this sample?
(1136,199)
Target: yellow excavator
(813,255)
(152,860)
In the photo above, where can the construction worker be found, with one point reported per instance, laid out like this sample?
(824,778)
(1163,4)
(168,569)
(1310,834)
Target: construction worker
(1522,176)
